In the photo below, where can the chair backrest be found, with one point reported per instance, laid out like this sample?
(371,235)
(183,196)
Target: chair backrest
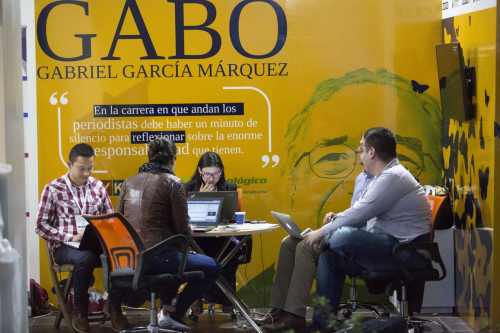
(120,241)
(240,199)
(442,217)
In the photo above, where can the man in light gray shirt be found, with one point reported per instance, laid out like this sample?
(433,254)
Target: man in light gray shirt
(295,275)
(393,208)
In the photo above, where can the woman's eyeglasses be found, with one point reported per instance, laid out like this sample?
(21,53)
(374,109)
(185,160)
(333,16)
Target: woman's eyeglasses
(208,175)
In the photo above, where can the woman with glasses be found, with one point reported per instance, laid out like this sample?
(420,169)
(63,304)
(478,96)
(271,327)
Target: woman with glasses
(209,177)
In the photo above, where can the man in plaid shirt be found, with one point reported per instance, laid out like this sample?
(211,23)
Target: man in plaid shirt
(62,204)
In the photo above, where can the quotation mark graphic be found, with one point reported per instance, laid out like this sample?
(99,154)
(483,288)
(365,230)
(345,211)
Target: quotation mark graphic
(265,158)
(63,99)
(275,158)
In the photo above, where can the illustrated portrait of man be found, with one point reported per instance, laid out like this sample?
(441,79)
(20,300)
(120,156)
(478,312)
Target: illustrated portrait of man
(320,161)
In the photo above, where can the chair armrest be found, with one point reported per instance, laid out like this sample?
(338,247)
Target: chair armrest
(105,271)
(144,257)
(431,247)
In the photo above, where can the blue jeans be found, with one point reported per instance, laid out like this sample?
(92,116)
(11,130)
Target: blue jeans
(168,262)
(350,250)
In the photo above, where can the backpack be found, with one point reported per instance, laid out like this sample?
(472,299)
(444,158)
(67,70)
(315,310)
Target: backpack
(444,217)
(382,325)
(39,299)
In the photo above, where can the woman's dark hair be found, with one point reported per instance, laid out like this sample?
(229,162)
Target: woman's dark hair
(384,142)
(209,159)
(162,150)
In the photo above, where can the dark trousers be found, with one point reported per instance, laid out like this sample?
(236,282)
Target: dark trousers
(85,262)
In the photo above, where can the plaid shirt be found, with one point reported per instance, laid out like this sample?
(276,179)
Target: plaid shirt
(56,221)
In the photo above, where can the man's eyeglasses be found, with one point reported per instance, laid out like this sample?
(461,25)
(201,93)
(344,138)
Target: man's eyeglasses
(208,175)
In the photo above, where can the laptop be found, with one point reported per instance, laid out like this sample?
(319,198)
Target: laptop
(229,205)
(89,242)
(289,225)
(204,213)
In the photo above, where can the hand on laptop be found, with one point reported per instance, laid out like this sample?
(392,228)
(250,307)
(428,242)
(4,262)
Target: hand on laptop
(328,217)
(207,187)
(77,237)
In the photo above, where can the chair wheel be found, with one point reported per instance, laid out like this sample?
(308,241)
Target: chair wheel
(234,316)
(418,328)
(346,313)
(193,317)
(211,308)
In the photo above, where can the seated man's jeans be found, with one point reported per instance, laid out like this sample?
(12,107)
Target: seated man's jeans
(350,250)
(85,262)
(168,262)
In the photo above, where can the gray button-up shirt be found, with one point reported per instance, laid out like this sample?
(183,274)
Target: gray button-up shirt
(393,203)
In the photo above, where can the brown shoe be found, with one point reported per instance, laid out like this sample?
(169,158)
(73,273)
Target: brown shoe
(80,321)
(270,317)
(118,321)
(287,322)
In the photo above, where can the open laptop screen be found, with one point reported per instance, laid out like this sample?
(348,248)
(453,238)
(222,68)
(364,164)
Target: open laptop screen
(229,205)
(204,211)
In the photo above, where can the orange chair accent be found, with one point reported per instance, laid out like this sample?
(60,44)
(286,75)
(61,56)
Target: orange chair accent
(240,199)
(403,277)
(125,260)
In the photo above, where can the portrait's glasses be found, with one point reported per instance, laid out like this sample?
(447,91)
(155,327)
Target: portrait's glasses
(334,160)
(208,175)
(331,161)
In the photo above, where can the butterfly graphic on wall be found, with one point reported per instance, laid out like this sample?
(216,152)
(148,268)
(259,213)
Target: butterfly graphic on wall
(497,130)
(417,87)
(483,182)
(486,97)
(442,83)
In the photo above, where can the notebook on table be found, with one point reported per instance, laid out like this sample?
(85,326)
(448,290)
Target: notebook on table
(229,204)
(204,213)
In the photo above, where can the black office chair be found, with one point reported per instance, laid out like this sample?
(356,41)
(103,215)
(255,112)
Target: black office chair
(125,261)
(353,303)
(389,281)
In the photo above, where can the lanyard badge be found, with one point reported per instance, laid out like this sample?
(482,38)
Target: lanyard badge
(81,223)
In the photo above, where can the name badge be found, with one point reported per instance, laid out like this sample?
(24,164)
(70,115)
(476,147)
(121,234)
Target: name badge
(81,223)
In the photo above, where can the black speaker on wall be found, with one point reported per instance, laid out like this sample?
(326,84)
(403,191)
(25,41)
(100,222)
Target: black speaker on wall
(456,82)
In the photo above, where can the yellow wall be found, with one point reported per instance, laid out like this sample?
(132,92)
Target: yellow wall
(345,66)
(469,160)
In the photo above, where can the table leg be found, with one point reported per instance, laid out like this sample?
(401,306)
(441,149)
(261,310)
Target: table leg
(240,305)
(226,288)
